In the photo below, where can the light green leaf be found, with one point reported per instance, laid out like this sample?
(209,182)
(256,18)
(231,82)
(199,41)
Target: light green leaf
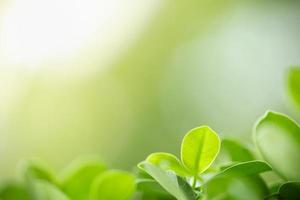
(290,191)
(278,140)
(169,181)
(13,191)
(43,190)
(235,151)
(113,185)
(294,85)
(78,177)
(199,149)
(167,161)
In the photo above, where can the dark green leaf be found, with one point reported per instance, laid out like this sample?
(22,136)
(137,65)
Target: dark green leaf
(290,191)
(13,191)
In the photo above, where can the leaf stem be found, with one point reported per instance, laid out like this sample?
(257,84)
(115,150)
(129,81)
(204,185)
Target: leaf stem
(194,181)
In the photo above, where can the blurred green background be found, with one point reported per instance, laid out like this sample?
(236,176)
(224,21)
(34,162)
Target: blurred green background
(124,78)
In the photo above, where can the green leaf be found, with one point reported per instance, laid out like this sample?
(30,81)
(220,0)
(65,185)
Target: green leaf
(43,190)
(150,187)
(290,191)
(235,188)
(238,182)
(36,169)
(199,149)
(167,161)
(235,151)
(247,168)
(78,177)
(294,85)
(278,140)
(169,181)
(13,191)
(113,185)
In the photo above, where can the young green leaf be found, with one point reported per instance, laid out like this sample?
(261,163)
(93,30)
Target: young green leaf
(199,149)
(13,191)
(43,190)
(290,191)
(278,140)
(113,185)
(77,179)
(294,85)
(169,181)
(167,161)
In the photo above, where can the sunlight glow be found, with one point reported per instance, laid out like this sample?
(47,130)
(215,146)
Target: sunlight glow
(35,32)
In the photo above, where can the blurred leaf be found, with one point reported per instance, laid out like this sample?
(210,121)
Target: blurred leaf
(290,191)
(248,168)
(278,140)
(77,178)
(13,191)
(199,149)
(236,151)
(235,188)
(43,190)
(35,169)
(113,185)
(294,85)
(238,182)
(167,161)
(150,187)
(169,181)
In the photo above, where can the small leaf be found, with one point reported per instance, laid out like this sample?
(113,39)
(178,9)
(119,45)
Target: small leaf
(294,85)
(235,151)
(169,181)
(43,190)
(13,191)
(199,149)
(278,140)
(113,185)
(290,191)
(78,177)
(167,161)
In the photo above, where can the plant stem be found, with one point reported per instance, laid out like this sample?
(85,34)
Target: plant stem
(194,181)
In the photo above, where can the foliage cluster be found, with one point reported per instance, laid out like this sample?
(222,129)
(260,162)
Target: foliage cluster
(208,169)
